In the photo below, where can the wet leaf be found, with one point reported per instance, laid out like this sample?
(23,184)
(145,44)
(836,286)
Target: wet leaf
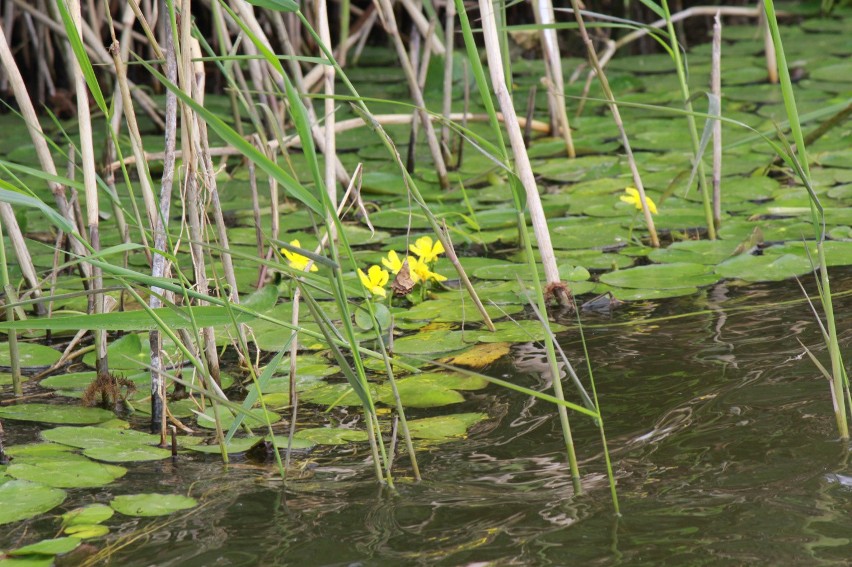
(445,426)
(56,546)
(23,499)
(767,268)
(86,515)
(30,355)
(331,435)
(151,504)
(662,276)
(86,531)
(237,445)
(128,454)
(479,356)
(67,473)
(49,413)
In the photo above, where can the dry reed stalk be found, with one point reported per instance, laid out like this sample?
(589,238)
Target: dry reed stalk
(768,47)
(95,49)
(194,201)
(422,23)
(11,336)
(90,183)
(22,253)
(330,150)
(716,90)
(447,102)
(519,150)
(6,30)
(160,265)
(616,116)
(553,68)
(389,22)
(42,149)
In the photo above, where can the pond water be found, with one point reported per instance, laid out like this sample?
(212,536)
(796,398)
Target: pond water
(721,432)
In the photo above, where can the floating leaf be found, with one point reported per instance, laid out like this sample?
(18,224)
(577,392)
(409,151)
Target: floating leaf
(91,437)
(23,499)
(86,515)
(136,453)
(151,504)
(47,413)
(518,331)
(445,426)
(430,342)
(662,276)
(767,268)
(255,418)
(67,473)
(276,5)
(416,394)
(237,445)
(479,356)
(56,546)
(87,531)
(708,252)
(331,435)
(30,355)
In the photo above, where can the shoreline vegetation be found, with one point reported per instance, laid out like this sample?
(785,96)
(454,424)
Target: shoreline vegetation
(241,216)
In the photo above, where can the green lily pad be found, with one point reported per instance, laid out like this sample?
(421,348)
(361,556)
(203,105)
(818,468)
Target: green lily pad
(255,418)
(237,445)
(521,331)
(708,252)
(339,394)
(331,435)
(641,294)
(66,473)
(23,499)
(151,504)
(836,253)
(127,353)
(87,515)
(282,441)
(662,276)
(128,454)
(86,531)
(594,233)
(48,413)
(30,355)
(416,394)
(28,561)
(766,268)
(56,546)
(445,426)
(430,342)
(452,310)
(94,437)
(37,451)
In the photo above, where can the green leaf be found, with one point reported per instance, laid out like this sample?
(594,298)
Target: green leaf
(133,454)
(8,194)
(331,435)
(445,426)
(30,355)
(235,445)
(277,5)
(87,531)
(662,276)
(174,317)
(47,413)
(56,546)
(67,473)
(767,268)
(87,515)
(91,437)
(23,499)
(151,504)
(82,58)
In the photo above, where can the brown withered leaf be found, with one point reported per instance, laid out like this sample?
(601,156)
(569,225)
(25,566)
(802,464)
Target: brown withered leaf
(403,284)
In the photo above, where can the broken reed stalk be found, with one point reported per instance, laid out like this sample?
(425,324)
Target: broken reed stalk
(553,69)
(616,116)
(22,253)
(11,335)
(389,21)
(90,183)
(519,150)
(768,46)
(716,90)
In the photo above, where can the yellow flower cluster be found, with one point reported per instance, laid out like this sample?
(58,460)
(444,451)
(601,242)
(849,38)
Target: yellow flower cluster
(375,279)
(295,260)
(632,197)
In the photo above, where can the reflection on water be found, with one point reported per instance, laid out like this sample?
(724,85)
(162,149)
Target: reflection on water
(721,433)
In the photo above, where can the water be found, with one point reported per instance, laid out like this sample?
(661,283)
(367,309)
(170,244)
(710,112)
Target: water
(722,438)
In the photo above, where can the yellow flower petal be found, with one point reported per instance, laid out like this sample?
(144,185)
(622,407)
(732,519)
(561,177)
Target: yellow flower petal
(295,260)
(424,249)
(374,280)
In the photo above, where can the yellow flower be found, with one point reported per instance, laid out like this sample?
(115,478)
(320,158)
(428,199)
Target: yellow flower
(420,271)
(374,280)
(425,250)
(297,261)
(392,262)
(632,197)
